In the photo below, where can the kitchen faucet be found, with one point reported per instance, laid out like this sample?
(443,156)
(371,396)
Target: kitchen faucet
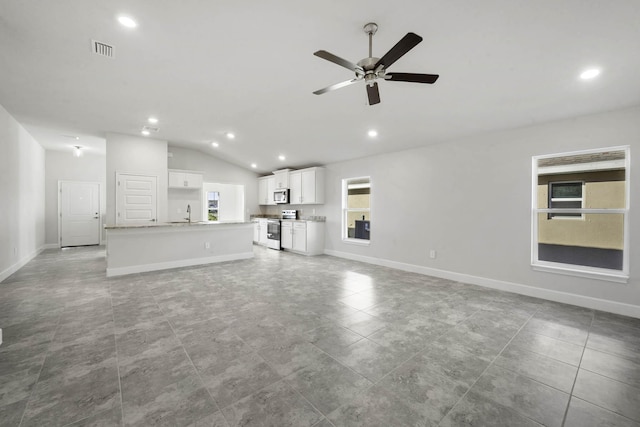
(189,212)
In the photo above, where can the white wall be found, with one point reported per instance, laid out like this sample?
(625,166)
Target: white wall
(63,166)
(218,171)
(22,211)
(138,155)
(470,200)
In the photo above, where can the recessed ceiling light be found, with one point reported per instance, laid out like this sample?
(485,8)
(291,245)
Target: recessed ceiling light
(145,132)
(215,144)
(231,135)
(152,120)
(281,157)
(372,133)
(253,165)
(590,74)
(127,21)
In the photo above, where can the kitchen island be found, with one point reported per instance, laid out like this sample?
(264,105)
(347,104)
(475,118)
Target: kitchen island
(140,248)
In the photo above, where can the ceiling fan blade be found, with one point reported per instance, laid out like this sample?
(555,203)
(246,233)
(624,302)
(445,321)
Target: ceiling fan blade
(337,60)
(335,86)
(412,77)
(405,44)
(373,93)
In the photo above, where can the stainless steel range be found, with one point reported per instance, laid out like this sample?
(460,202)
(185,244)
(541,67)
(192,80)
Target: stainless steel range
(273,234)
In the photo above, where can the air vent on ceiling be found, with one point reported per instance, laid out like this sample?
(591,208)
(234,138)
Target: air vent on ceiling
(102,49)
(150,129)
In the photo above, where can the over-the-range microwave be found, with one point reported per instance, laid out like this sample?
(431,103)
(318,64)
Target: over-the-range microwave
(281,195)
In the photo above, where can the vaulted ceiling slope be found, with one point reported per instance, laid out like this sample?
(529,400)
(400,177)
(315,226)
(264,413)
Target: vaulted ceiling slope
(205,68)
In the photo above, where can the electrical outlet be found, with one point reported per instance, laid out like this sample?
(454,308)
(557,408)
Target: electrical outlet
(207,245)
(433,254)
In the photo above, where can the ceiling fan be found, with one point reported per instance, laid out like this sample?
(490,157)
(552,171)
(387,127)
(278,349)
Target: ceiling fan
(369,69)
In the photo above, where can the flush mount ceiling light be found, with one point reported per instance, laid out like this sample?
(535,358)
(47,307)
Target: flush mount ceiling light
(372,133)
(127,21)
(145,132)
(253,165)
(590,74)
(281,157)
(152,120)
(215,144)
(77,150)
(230,135)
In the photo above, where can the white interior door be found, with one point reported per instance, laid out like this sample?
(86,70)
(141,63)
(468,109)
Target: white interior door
(79,213)
(136,198)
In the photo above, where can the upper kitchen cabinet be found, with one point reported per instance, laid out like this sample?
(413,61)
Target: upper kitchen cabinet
(307,186)
(281,178)
(266,187)
(187,180)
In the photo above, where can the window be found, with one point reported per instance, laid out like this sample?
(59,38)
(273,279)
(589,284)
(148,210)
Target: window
(580,213)
(565,195)
(356,207)
(213,198)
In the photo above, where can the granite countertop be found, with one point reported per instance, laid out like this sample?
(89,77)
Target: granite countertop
(173,224)
(301,219)
(309,219)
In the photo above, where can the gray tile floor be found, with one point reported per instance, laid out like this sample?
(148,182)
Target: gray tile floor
(286,340)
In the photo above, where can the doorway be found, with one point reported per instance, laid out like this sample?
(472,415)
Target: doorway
(79,213)
(136,198)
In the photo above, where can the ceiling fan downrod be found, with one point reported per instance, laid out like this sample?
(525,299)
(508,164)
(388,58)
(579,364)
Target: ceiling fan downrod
(367,64)
(370,29)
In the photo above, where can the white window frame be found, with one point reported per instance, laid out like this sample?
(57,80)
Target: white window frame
(346,210)
(620,276)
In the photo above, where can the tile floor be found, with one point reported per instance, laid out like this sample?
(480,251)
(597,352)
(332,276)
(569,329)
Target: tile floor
(286,340)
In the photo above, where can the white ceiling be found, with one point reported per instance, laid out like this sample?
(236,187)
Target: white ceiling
(208,67)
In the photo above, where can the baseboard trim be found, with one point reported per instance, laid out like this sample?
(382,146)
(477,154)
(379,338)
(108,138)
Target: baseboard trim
(51,246)
(18,265)
(121,271)
(532,291)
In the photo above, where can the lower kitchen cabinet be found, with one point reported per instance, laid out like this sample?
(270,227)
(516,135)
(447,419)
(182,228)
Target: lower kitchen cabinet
(256,231)
(299,236)
(260,231)
(304,237)
(286,234)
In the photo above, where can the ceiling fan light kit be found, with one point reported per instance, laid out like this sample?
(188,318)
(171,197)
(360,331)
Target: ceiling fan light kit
(371,68)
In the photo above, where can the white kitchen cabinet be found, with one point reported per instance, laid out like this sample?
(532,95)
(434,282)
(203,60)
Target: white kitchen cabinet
(286,234)
(307,186)
(256,231)
(262,237)
(304,237)
(185,180)
(266,187)
(299,236)
(281,178)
